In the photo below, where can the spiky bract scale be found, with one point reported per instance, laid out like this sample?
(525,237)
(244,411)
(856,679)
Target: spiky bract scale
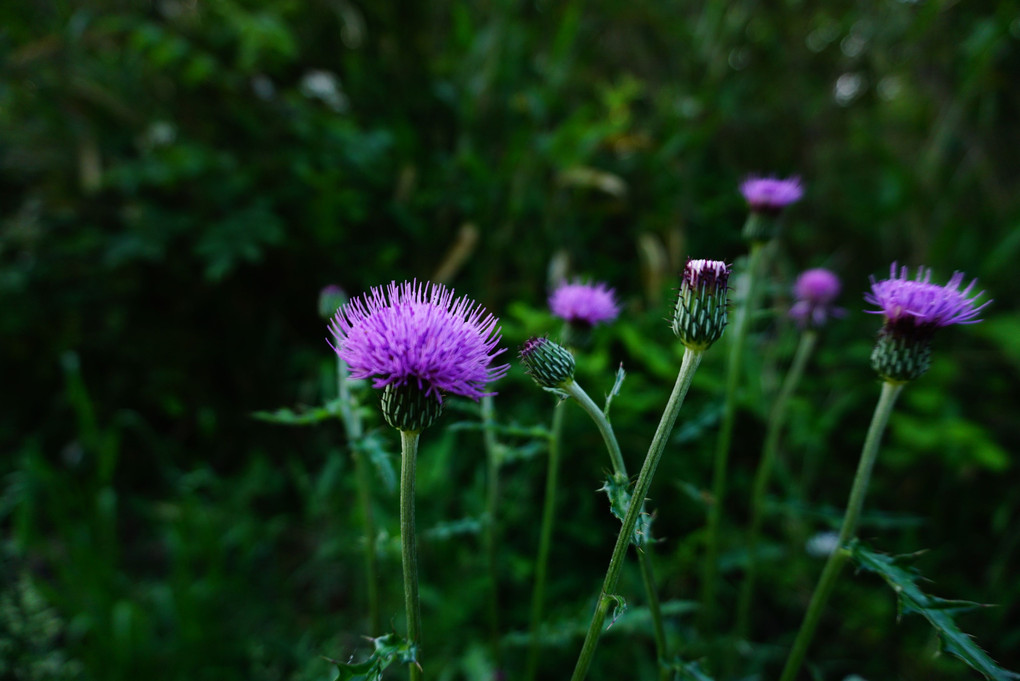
(549,363)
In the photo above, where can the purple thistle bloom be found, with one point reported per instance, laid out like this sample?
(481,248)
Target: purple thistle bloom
(579,303)
(770,194)
(815,291)
(919,305)
(417,332)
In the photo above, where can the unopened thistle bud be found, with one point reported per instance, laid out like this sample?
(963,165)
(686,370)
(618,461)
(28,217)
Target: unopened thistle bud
(766,198)
(331,299)
(700,315)
(550,364)
(914,309)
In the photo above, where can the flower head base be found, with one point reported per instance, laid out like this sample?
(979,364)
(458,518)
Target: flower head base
(815,291)
(914,309)
(550,364)
(767,197)
(331,299)
(418,342)
(700,315)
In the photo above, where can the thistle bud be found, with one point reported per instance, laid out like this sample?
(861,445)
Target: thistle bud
(550,364)
(700,315)
(409,408)
(331,299)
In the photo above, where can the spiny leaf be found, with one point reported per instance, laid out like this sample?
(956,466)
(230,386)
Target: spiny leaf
(620,375)
(303,416)
(618,491)
(938,611)
(619,607)
(388,649)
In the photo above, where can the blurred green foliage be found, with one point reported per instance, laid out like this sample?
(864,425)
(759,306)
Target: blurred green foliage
(179,178)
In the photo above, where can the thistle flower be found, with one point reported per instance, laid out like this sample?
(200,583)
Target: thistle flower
(700,314)
(418,343)
(549,363)
(770,195)
(582,306)
(767,197)
(331,299)
(815,291)
(914,309)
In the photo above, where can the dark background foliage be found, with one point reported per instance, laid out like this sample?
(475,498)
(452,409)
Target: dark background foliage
(180,178)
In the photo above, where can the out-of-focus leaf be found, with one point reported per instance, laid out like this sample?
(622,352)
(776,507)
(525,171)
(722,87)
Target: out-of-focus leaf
(388,649)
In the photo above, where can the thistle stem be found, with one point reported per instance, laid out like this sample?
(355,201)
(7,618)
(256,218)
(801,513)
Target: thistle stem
(575,390)
(773,430)
(890,391)
(408,544)
(491,529)
(545,538)
(352,424)
(691,360)
(741,323)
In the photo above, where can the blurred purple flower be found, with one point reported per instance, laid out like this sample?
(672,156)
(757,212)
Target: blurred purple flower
(579,303)
(770,194)
(815,291)
(918,307)
(417,332)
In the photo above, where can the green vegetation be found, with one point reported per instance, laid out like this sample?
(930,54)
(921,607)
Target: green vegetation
(179,179)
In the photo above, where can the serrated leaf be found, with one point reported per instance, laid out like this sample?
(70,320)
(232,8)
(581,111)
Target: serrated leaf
(388,649)
(620,375)
(618,491)
(302,416)
(619,607)
(939,612)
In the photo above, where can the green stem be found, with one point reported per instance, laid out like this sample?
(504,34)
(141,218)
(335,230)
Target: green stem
(890,391)
(741,323)
(774,429)
(408,545)
(545,539)
(620,472)
(352,423)
(491,530)
(691,360)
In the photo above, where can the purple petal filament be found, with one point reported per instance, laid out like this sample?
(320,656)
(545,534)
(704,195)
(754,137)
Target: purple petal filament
(418,332)
(922,304)
(586,303)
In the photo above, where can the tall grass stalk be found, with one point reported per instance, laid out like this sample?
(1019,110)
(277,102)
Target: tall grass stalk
(355,431)
(691,360)
(774,428)
(545,538)
(741,324)
(836,560)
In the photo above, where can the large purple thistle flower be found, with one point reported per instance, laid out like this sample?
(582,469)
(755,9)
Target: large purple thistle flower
(917,305)
(770,194)
(417,333)
(580,303)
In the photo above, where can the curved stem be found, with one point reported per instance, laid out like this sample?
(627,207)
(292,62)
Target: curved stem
(491,528)
(774,429)
(620,471)
(890,391)
(691,360)
(353,426)
(408,545)
(545,538)
(741,323)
